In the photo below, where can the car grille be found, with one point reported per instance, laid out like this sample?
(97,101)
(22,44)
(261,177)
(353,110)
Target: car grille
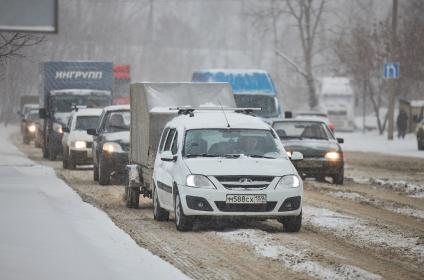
(245,182)
(224,207)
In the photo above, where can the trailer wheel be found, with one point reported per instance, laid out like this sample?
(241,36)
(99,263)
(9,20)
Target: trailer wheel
(159,214)
(182,222)
(133,197)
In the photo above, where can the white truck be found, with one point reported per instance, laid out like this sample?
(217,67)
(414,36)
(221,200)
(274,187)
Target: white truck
(200,162)
(337,100)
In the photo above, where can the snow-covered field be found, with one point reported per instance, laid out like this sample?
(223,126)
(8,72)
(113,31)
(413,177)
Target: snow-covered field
(373,142)
(48,232)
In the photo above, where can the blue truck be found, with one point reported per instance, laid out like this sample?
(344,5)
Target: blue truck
(251,88)
(64,85)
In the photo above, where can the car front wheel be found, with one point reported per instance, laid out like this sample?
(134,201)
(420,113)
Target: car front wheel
(104,173)
(339,177)
(182,222)
(291,223)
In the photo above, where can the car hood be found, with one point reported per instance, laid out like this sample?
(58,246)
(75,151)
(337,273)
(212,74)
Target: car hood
(80,135)
(121,136)
(240,166)
(310,147)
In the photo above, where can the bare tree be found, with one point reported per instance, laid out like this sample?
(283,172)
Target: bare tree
(12,44)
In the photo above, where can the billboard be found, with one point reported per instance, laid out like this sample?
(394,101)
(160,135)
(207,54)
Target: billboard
(29,15)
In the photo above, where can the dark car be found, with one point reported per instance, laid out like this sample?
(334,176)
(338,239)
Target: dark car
(322,153)
(111,143)
(28,126)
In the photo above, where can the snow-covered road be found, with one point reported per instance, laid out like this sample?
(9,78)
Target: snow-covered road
(48,232)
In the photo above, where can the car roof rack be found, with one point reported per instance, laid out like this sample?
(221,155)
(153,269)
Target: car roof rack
(190,110)
(77,107)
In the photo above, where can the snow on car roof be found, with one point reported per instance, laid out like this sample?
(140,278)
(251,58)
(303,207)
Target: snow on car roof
(217,119)
(232,71)
(310,119)
(336,86)
(117,107)
(88,112)
(79,91)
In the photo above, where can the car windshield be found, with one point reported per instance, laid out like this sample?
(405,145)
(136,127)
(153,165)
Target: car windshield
(266,103)
(64,103)
(33,116)
(86,122)
(302,129)
(118,121)
(230,143)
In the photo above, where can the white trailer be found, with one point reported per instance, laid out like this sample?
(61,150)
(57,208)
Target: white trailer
(150,103)
(337,100)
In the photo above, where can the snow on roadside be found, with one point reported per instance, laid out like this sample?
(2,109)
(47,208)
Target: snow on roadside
(412,189)
(349,227)
(376,143)
(390,206)
(297,260)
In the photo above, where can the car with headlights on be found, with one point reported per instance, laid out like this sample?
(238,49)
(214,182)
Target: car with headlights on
(322,152)
(76,143)
(111,143)
(29,126)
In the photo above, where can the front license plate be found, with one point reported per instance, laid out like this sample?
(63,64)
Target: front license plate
(246,198)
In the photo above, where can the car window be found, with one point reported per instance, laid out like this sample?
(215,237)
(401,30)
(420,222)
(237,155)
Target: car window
(301,129)
(163,138)
(117,121)
(86,122)
(174,147)
(169,140)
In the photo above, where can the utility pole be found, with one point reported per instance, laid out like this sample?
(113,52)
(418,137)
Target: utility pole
(392,82)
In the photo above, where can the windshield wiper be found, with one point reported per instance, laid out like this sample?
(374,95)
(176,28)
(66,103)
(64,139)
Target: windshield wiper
(201,155)
(259,156)
(231,155)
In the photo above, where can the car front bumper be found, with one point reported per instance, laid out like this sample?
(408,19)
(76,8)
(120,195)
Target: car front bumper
(215,201)
(81,156)
(318,167)
(116,162)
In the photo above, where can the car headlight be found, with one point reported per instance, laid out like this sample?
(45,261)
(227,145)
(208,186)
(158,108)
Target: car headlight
(31,128)
(332,156)
(289,154)
(58,128)
(288,181)
(80,145)
(112,147)
(199,181)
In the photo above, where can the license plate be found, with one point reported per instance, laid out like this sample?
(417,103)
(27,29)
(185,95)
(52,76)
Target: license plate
(246,198)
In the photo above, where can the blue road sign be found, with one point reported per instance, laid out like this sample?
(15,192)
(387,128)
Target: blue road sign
(391,70)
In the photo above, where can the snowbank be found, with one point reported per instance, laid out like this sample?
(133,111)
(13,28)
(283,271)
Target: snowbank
(373,142)
(51,233)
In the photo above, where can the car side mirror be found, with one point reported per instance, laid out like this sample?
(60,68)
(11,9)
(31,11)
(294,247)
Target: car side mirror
(42,113)
(296,156)
(92,131)
(65,129)
(288,115)
(340,140)
(167,156)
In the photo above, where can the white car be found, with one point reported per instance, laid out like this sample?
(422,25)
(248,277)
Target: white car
(232,164)
(76,142)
